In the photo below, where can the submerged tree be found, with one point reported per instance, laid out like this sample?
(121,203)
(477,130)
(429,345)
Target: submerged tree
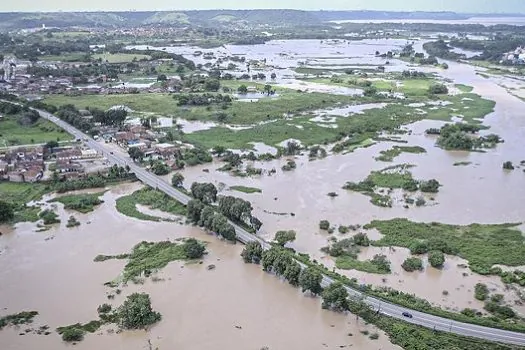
(136,312)
(310,280)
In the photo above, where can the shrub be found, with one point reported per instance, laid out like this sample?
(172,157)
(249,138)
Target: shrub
(436,89)
(508,165)
(73,334)
(412,264)
(361,239)
(436,258)
(193,249)
(481,292)
(419,247)
(324,225)
(136,312)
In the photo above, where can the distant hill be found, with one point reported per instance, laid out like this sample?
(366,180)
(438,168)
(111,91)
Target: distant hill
(210,18)
(385,15)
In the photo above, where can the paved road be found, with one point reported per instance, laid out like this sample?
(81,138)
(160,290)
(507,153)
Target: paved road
(419,318)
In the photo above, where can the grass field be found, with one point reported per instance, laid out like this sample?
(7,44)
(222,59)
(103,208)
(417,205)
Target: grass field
(83,203)
(289,102)
(348,263)
(288,114)
(154,199)
(12,133)
(71,57)
(120,57)
(409,87)
(19,194)
(22,192)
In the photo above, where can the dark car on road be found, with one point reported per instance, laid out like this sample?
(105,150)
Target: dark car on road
(407,314)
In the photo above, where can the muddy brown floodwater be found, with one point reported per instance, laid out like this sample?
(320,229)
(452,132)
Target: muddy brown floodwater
(53,272)
(478,193)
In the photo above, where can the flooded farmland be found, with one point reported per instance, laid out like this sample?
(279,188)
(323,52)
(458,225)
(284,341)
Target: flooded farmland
(239,306)
(53,273)
(478,193)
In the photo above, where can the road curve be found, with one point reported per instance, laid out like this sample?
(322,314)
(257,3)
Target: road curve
(393,310)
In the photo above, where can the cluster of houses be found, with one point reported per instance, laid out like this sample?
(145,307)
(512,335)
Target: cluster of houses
(515,57)
(137,136)
(31,164)
(22,164)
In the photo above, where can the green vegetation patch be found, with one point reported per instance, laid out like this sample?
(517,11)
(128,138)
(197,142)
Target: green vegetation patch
(289,102)
(23,317)
(49,217)
(75,332)
(348,263)
(22,192)
(147,257)
(120,57)
(83,203)
(390,154)
(392,177)
(17,194)
(13,132)
(152,198)
(246,189)
(464,88)
(482,245)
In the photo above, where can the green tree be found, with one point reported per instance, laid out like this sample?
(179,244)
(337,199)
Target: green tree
(177,179)
(243,89)
(51,144)
(136,312)
(361,239)
(268,89)
(205,192)
(235,209)
(162,77)
(412,264)
(370,91)
(335,297)
(135,153)
(481,292)
(212,85)
(160,168)
(193,249)
(72,335)
(252,252)
(419,247)
(508,165)
(292,273)
(436,258)
(436,89)
(310,280)
(382,263)
(218,150)
(6,212)
(430,186)
(194,209)
(283,237)
(324,224)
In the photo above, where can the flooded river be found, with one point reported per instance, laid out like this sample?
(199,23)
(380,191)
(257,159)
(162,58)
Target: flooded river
(234,306)
(478,193)
(53,271)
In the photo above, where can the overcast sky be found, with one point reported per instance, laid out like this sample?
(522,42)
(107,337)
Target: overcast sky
(480,6)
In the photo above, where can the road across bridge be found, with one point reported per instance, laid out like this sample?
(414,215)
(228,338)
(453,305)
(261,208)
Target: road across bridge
(387,308)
